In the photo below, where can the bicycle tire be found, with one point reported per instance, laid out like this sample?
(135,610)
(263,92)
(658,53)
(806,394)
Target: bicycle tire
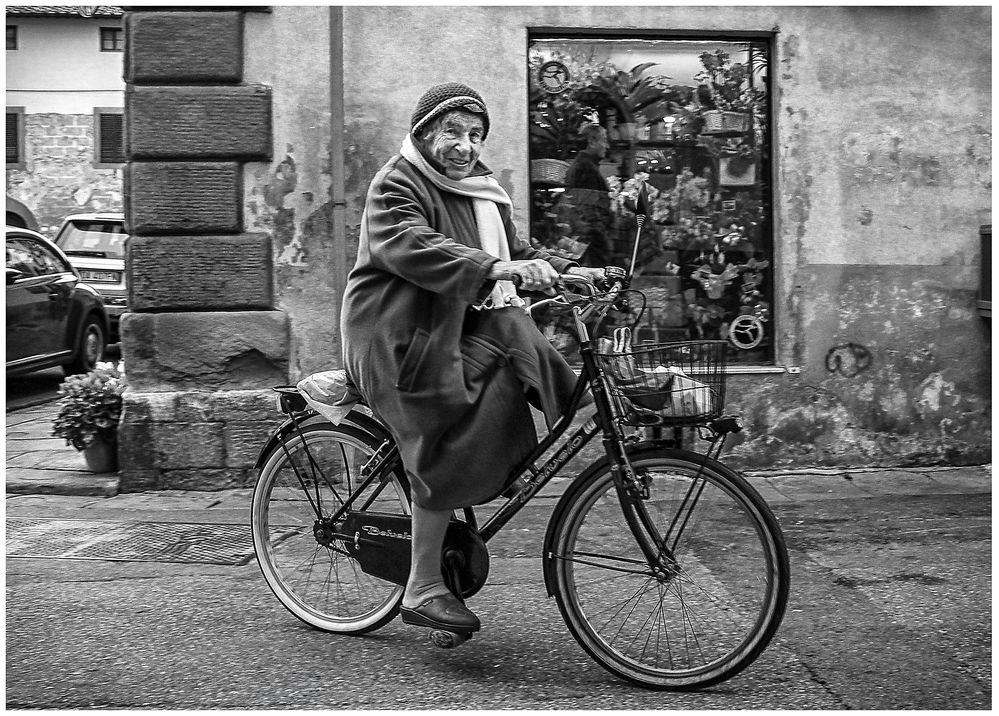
(698,624)
(322,585)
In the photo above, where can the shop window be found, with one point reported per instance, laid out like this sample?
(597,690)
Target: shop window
(688,119)
(109,146)
(11,37)
(15,138)
(112,39)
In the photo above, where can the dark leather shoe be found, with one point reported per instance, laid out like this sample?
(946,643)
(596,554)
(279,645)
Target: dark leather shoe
(443,612)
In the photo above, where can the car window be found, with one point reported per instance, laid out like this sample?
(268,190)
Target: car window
(93,237)
(34,258)
(19,257)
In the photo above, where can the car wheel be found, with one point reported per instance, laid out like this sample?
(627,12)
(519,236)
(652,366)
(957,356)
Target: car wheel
(90,350)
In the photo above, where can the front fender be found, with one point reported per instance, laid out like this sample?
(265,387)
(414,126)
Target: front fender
(547,551)
(548,560)
(286,430)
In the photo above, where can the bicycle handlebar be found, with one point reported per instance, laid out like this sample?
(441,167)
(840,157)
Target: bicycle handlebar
(590,294)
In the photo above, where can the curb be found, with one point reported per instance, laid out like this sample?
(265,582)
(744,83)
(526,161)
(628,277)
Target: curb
(31,403)
(73,484)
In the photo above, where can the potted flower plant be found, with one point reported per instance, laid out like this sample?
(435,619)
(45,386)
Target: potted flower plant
(629,95)
(89,412)
(727,96)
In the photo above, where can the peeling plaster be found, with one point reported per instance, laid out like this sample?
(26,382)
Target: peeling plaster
(935,394)
(889,155)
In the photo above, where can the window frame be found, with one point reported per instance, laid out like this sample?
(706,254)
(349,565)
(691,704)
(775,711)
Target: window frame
(117,38)
(100,112)
(20,134)
(16,38)
(774,361)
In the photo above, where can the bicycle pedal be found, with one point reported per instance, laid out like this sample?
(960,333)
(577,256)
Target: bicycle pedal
(448,639)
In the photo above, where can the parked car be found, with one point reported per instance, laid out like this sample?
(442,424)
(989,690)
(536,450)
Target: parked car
(53,318)
(95,244)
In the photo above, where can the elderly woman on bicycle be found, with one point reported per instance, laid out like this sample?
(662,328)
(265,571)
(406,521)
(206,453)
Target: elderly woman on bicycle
(435,336)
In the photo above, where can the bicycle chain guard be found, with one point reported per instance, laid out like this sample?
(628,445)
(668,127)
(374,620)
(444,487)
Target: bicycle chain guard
(381,544)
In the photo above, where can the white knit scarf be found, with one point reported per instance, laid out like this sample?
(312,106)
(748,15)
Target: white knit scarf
(485,193)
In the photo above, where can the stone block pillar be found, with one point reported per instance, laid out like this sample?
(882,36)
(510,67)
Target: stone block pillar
(203,342)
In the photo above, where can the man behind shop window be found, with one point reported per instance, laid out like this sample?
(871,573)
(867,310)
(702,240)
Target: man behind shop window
(587,198)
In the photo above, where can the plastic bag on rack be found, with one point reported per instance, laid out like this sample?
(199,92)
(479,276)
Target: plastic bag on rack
(331,393)
(688,397)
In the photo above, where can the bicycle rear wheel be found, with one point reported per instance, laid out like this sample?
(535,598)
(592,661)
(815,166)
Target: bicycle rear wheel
(715,594)
(306,566)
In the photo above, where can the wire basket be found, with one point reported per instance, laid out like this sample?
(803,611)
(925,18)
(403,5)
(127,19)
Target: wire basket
(667,383)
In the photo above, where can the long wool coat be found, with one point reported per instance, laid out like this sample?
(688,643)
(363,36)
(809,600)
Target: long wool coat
(448,382)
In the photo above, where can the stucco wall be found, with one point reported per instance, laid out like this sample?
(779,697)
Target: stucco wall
(72,80)
(883,176)
(290,197)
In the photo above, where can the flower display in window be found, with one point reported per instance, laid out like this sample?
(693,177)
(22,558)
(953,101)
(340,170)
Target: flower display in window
(695,133)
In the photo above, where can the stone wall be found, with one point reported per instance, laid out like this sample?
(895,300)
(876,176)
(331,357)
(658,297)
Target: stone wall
(59,177)
(202,343)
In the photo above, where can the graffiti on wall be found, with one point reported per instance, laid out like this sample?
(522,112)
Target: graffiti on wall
(848,359)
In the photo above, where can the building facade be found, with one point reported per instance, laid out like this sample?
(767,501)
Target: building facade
(851,245)
(65,107)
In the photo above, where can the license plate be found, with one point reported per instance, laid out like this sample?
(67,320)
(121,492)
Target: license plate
(101,276)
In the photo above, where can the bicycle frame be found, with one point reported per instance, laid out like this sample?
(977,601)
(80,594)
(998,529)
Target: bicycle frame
(628,485)
(591,376)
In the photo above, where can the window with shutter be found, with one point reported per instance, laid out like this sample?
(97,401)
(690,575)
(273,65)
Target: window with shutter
(15,138)
(109,136)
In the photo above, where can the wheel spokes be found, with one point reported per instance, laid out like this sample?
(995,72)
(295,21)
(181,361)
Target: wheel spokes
(692,606)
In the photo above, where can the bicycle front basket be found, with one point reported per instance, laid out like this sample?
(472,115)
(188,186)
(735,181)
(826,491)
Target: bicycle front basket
(671,383)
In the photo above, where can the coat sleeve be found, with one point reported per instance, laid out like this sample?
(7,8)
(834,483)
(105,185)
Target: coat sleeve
(402,241)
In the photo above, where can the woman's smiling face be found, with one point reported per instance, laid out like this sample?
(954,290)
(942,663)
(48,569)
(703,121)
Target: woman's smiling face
(454,141)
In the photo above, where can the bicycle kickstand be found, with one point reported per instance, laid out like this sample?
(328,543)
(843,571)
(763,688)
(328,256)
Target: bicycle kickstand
(453,560)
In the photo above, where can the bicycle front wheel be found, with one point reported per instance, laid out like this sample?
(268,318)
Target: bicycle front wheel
(305,564)
(706,602)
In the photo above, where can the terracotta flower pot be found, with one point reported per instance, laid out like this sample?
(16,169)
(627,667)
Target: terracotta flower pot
(101,456)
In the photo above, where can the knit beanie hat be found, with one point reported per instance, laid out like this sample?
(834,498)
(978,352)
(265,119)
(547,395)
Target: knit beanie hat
(441,98)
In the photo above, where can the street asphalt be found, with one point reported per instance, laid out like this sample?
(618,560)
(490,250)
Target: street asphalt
(153,600)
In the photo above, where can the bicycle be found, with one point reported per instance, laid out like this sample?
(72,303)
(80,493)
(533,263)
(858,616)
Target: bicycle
(668,567)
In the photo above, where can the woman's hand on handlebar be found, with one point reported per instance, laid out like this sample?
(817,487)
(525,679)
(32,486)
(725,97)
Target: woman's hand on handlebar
(531,275)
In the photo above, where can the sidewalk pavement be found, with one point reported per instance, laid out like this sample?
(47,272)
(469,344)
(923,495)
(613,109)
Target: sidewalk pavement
(37,463)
